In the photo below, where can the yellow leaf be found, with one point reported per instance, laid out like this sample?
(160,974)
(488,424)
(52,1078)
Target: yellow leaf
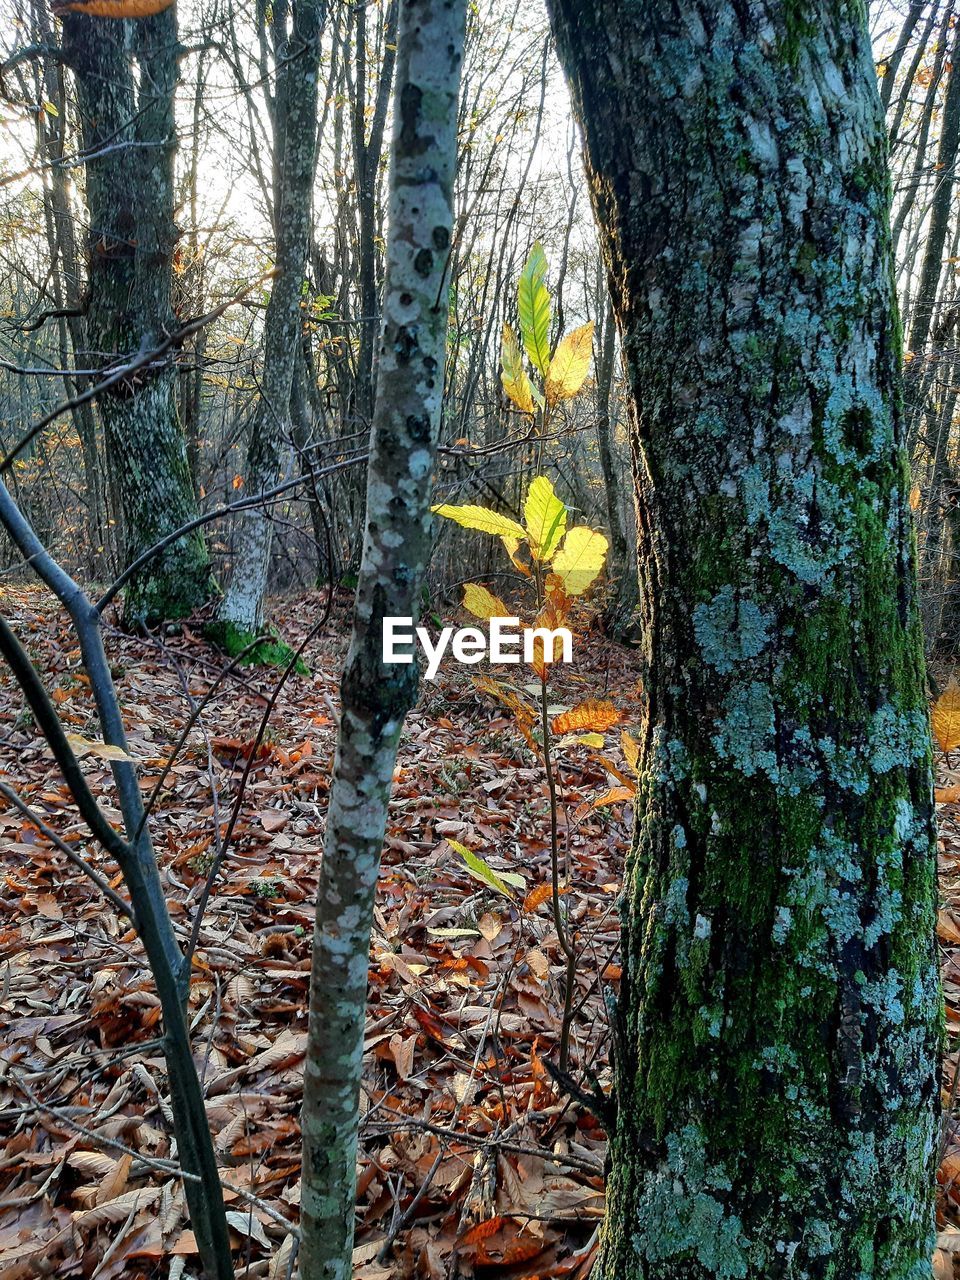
(590,739)
(512,373)
(631,751)
(482,603)
(513,546)
(946,795)
(99,750)
(915,497)
(481,871)
(591,715)
(545,517)
(580,559)
(483,519)
(114,8)
(945,717)
(570,365)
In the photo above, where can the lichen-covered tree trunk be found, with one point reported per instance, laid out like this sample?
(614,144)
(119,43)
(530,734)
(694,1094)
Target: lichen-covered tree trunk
(129,131)
(297,57)
(376,696)
(779,1027)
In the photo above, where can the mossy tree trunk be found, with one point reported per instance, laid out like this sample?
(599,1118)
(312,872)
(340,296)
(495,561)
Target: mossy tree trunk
(129,132)
(779,1028)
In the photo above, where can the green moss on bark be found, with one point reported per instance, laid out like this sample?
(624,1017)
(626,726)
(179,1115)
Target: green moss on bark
(780,1027)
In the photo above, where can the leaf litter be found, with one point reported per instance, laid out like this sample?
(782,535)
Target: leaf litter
(471,1160)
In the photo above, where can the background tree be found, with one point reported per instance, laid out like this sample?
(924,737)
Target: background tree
(295,34)
(779,904)
(130,139)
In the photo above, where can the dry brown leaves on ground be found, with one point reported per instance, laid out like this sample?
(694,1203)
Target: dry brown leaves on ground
(471,1159)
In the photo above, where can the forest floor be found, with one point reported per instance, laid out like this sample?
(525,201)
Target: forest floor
(472,1160)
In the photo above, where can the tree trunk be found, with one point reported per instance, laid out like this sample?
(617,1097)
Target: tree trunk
(130,132)
(368,153)
(376,696)
(940,208)
(780,1024)
(297,57)
(623,598)
(65,277)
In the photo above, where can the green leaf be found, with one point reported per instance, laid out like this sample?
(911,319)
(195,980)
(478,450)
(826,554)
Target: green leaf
(533,305)
(483,519)
(546,518)
(481,871)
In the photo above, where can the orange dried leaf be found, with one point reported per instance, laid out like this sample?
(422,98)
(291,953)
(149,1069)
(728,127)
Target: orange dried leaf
(614,772)
(616,795)
(473,1235)
(540,894)
(114,8)
(945,717)
(115,1183)
(591,715)
(518,1249)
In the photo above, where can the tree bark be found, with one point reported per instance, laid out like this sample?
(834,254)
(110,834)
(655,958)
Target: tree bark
(623,598)
(780,1024)
(940,208)
(376,696)
(129,131)
(297,57)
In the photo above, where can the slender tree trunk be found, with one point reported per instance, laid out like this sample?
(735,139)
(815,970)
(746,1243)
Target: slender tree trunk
(624,597)
(368,154)
(130,130)
(65,276)
(891,64)
(297,57)
(376,696)
(780,1024)
(940,207)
